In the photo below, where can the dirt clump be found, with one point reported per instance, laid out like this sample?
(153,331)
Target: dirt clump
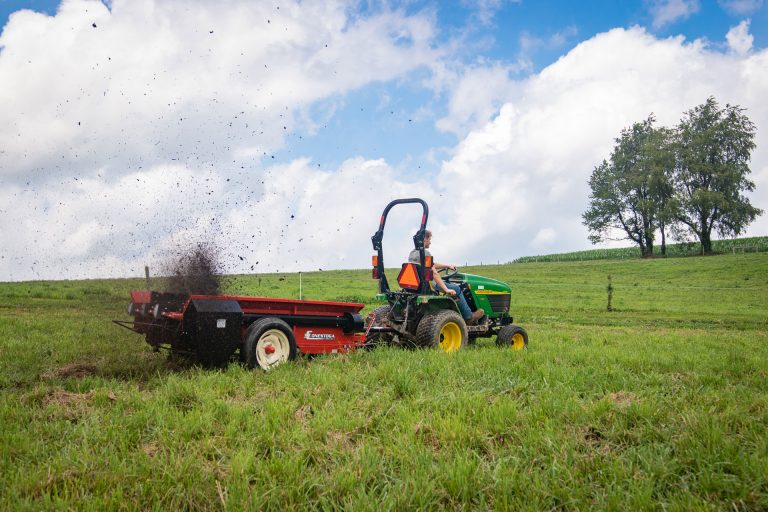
(74,370)
(61,397)
(623,398)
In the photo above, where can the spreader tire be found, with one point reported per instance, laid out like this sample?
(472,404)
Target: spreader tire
(443,329)
(268,343)
(512,336)
(375,339)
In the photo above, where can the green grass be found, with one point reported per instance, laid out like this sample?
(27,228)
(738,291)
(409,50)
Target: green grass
(661,404)
(736,245)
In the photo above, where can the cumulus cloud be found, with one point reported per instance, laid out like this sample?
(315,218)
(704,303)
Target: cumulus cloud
(544,238)
(475,97)
(130,126)
(155,128)
(666,12)
(523,176)
(476,92)
(93,87)
(485,10)
(739,39)
(741,7)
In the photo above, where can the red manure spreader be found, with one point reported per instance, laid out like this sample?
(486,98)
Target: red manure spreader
(264,332)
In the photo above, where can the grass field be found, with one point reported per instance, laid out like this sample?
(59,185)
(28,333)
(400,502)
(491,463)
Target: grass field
(661,404)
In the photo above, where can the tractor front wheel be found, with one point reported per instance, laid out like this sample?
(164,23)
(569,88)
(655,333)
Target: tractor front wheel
(444,329)
(268,343)
(512,336)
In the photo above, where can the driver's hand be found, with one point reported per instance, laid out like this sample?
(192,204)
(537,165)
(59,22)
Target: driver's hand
(450,292)
(452,267)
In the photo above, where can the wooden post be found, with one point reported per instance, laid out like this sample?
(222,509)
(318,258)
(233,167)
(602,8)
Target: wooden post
(146,276)
(610,293)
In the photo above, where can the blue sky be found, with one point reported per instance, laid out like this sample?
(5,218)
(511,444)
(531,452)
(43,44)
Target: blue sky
(309,115)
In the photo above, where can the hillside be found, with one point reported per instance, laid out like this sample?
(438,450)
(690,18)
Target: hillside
(736,245)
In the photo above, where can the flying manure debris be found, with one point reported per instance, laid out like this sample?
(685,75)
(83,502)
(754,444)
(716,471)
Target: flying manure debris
(196,270)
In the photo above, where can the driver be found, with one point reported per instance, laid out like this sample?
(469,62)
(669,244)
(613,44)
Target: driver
(451,289)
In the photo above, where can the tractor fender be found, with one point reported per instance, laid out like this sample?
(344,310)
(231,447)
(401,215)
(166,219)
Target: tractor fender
(430,303)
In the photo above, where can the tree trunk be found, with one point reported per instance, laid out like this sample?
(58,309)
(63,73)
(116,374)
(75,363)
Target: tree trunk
(706,242)
(647,249)
(663,241)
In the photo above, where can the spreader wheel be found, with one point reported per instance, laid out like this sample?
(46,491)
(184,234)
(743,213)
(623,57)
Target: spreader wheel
(512,336)
(268,343)
(444,329)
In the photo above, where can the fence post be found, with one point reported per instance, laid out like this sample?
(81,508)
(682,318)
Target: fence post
(610,293)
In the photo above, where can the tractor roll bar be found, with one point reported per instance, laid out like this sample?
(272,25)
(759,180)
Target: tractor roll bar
(418,242)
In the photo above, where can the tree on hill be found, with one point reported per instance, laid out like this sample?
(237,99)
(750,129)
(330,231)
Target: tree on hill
(659,157)
(713,150)
(632,191)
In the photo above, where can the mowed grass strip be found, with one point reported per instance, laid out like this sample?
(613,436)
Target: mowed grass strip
(660,404)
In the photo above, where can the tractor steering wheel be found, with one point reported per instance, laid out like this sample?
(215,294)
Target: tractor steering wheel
(448,276)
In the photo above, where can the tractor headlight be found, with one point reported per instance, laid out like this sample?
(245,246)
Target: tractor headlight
(131,309)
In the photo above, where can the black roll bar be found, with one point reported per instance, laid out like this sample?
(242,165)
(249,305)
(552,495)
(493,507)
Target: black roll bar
(418,243)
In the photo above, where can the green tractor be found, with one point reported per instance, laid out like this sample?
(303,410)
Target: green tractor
(416,315)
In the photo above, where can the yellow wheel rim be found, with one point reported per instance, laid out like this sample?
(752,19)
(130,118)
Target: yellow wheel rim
(518,342)
(450,337)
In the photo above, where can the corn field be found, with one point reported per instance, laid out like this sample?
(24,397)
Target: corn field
(753,244)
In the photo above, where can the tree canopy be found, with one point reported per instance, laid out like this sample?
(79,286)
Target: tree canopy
(690,179)
(713,149)
(631,191)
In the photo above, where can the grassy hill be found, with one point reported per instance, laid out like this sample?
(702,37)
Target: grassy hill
(659,404)
(736,245)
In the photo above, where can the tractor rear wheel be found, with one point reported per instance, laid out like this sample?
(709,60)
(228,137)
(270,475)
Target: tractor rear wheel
(512,336)
(268,343)
(444,329)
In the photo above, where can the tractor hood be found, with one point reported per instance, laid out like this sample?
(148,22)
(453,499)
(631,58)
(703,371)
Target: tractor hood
(479,284)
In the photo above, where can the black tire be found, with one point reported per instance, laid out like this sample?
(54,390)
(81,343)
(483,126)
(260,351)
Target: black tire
(375,339)
(512,336)
(443,329)
(266,333)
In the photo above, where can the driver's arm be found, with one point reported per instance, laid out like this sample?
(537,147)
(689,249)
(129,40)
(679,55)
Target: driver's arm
(438,266)
(440,283)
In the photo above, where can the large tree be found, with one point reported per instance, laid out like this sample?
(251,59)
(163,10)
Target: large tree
(631,192)
(713,151)
(660,158)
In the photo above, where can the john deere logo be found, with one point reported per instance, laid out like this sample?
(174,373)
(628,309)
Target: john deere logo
(309,335)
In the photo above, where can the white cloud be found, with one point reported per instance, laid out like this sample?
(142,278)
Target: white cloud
(526,170)
(142,174)
(91,87)
(739,39)
(530,42)
(476,92)
(475,97)
(485,10)
(127,128)
(741,7)
(666,12)
(546,237)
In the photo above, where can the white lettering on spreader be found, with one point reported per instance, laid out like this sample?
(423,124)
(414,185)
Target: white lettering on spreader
(309,335)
